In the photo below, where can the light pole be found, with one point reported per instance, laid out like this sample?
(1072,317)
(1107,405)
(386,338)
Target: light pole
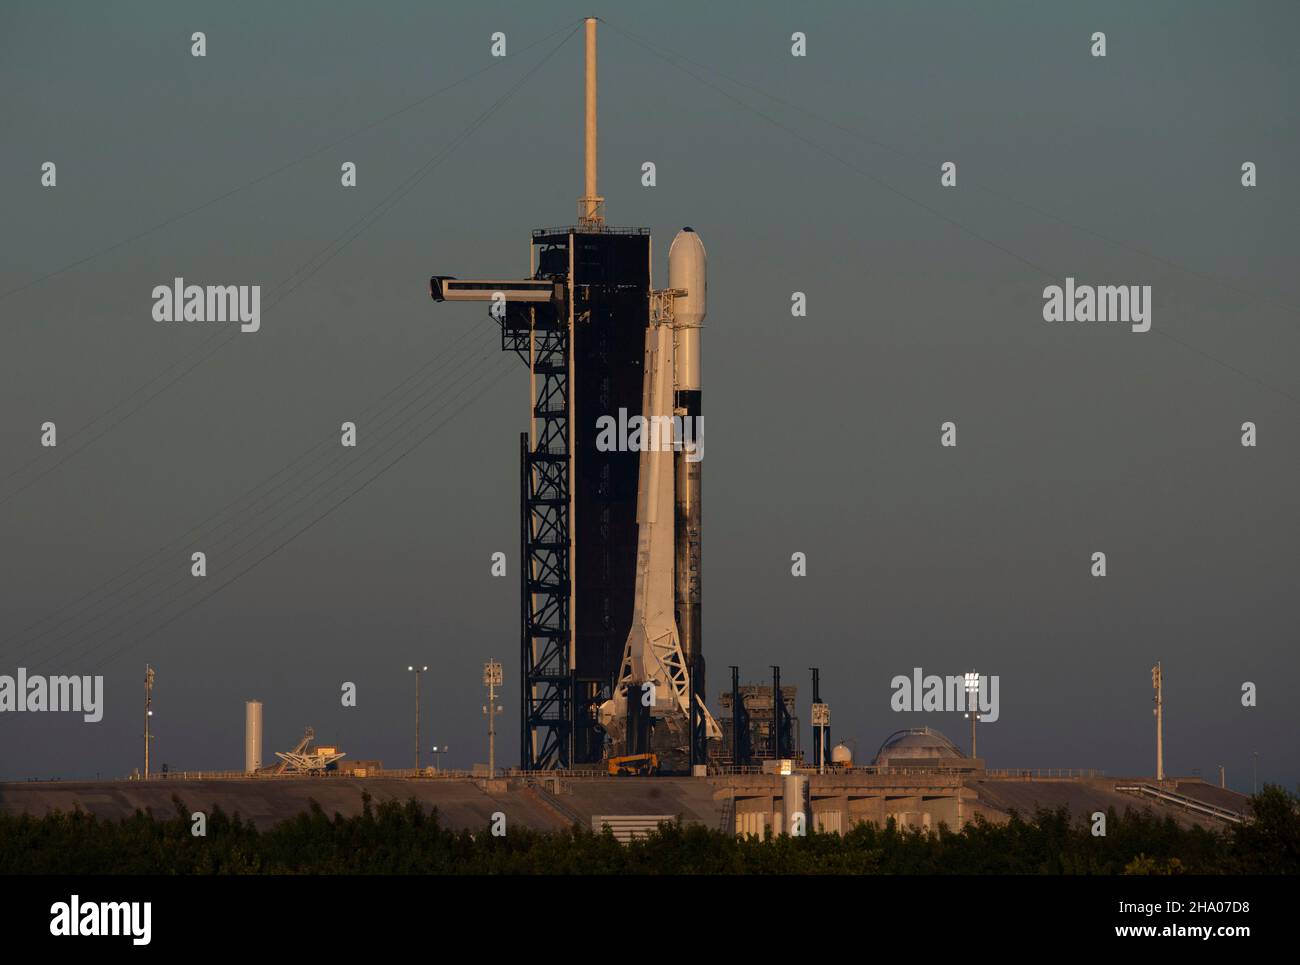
(1254,770)
(972,706)
(417,671)
(821,719)
(439,751)
(148,712)
(492,678)
(1158,682)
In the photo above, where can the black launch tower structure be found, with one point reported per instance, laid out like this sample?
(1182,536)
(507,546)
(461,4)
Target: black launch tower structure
(578,322)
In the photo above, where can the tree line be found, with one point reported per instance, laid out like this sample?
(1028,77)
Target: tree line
(406,838)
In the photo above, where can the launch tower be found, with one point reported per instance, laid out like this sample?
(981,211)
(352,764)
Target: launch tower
(579,321)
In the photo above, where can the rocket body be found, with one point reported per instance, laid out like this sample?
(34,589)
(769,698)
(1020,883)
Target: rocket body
(653,674)
(654,630)
(687,269)
(663,646)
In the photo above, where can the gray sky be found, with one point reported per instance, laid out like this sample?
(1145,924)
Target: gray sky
(823,431)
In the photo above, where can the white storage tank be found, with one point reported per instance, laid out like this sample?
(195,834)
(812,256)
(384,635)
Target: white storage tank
(252,736)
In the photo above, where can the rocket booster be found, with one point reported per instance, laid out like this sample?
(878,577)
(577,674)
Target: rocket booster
(663,645)
(652,657)
(687,269)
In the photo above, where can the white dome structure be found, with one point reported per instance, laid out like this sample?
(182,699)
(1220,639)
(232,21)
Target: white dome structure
(916,744)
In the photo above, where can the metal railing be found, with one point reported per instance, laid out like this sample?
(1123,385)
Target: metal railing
(1033,773)
(1183,801)
(424,773)
(587,230)
(885,770)
(429,773)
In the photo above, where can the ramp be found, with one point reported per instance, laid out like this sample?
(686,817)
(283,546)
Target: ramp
(1183,801)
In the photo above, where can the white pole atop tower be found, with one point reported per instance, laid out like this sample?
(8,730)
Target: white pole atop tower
(590,207)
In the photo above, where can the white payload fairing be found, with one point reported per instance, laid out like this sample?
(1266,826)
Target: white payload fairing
(663,645)
(688,264)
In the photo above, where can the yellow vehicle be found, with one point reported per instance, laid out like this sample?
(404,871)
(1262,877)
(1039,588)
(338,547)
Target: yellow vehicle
(634,764)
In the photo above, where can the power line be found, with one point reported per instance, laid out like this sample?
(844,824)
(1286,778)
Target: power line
(219,344)
(311,266)
(445,361)
(85,643)
(668,54)
(303,490)
(391,200)
(227,506)
(966,229)
(401,191)
(312,523)
(851,165)
(207,341)
(270,174)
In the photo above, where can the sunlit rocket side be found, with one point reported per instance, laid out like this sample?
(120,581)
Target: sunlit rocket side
(653,654)
(666,611)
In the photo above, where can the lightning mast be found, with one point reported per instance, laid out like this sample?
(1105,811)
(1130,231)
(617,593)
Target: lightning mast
(591,206)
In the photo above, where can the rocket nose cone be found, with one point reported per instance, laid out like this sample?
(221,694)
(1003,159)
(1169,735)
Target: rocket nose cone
(686,240)
(688,268)
(687,259)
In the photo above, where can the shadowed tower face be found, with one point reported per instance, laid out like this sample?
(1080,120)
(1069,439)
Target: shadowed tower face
(611,291)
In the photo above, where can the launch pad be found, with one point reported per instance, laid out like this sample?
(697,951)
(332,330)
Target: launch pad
(609,538)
